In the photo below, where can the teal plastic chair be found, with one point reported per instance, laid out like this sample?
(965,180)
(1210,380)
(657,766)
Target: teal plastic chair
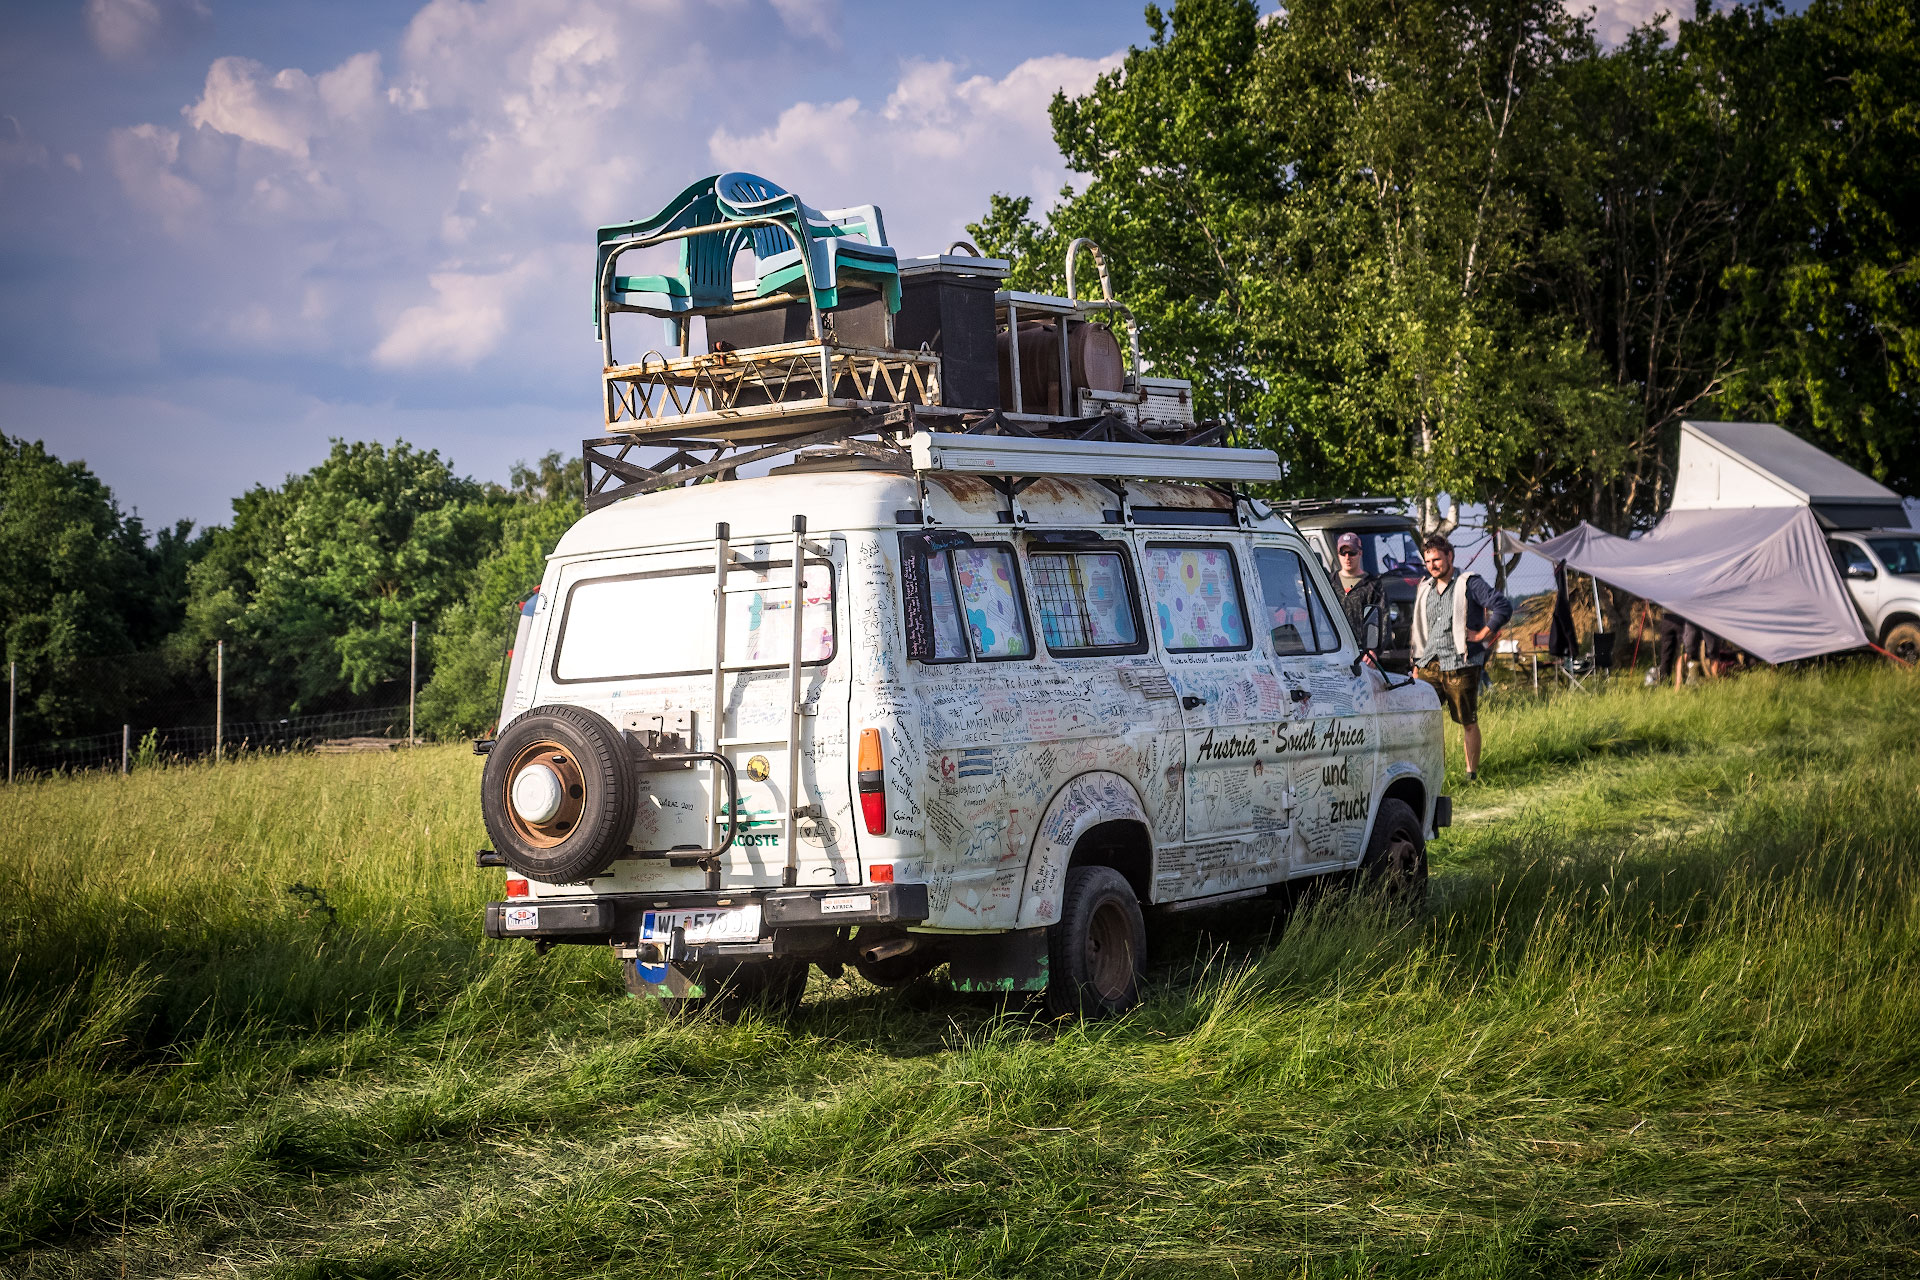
(705,279)
(826,236)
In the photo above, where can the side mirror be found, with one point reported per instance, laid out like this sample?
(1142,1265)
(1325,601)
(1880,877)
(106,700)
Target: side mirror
(1371,630)
(1862,572)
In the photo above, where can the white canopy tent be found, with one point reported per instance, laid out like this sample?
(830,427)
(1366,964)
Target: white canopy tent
(1743,550)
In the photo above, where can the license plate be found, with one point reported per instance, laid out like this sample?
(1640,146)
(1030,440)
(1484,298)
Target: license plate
(521,917)
(706,924)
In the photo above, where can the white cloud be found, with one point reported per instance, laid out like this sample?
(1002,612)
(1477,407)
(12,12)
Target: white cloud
(811,19)
(279,111)
(428,207)
(17,150)
(465,322)
(143,159)
(1614,20)
(124,29)
(931,154)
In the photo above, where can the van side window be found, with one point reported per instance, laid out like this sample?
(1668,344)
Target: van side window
(1298,621)
(1086,602)
(973,606)
(1196,597)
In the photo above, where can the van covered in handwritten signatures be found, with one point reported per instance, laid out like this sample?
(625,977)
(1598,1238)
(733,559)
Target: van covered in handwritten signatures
(1028,717)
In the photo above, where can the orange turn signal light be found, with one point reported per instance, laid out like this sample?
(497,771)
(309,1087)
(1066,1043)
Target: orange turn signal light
(873,783)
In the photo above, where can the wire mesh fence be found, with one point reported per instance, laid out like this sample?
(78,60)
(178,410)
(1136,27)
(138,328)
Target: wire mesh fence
(129,710)
(135,746)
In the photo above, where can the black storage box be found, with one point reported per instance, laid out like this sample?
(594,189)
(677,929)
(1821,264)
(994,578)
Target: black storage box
(860,321)
(946,305)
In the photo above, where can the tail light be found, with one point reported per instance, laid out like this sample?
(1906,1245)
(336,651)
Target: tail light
(518,889)
(873,783)
(879,873)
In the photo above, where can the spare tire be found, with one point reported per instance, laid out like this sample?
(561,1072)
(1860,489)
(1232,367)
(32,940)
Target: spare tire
(558,794)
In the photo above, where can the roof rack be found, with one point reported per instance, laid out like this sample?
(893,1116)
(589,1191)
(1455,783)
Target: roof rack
(1294,508)
(924,438)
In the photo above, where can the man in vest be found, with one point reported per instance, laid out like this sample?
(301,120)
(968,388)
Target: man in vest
(1456,617)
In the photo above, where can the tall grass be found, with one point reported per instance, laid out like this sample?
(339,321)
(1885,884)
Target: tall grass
(1661,1018)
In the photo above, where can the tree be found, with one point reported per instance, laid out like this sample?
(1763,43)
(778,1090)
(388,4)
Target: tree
(1824,331)
(470,642)
(1324,218)
(316,585)
(78,583)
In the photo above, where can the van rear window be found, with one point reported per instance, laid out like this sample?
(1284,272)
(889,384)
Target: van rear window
(973,607)
(661,624)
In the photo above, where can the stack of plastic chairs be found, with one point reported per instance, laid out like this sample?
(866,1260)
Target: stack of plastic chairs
(826,236)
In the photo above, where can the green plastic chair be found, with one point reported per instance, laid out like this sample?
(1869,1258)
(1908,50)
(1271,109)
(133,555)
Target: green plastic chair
(827,236)
(705,279)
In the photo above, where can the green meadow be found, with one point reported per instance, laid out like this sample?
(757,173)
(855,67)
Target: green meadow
(1661,1017)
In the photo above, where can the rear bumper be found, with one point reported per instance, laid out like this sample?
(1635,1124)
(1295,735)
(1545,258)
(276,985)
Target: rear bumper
(614,918)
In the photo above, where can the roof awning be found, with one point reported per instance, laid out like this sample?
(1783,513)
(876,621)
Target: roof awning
(1760,577)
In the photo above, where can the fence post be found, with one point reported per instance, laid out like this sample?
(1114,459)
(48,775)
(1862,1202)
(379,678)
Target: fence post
(219,697)
(413,677)
(126,732)
(13,678)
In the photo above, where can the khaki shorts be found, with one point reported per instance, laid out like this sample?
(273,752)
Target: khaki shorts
(1460,690)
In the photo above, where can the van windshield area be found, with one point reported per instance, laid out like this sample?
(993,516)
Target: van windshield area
(1900,555)
(1390,551)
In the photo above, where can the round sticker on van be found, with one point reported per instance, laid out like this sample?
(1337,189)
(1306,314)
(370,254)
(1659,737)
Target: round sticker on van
(759,768)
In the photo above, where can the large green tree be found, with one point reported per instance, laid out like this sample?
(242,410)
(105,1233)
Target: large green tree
(80,586)
(470,644)
(316,584)
(1325,218)
(1825,336)
(1432,247)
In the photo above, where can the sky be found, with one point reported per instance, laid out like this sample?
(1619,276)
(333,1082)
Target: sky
(229,232)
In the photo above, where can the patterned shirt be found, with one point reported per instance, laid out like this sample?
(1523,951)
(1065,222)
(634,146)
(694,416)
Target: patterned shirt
(1440,647)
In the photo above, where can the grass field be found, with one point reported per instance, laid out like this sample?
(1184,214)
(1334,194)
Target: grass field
(1662,1018)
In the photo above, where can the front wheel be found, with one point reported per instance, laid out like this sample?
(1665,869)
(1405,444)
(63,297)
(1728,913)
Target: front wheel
(1903,642)
(1395,865)
(1097,951)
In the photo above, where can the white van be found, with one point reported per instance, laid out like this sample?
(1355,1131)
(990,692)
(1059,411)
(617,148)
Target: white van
(1037,690)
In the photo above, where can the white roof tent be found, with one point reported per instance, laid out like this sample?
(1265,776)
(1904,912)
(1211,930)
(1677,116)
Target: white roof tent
(1732,465)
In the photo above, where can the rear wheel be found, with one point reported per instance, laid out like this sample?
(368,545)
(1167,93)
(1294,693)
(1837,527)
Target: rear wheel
(1395,865)
(1096,953)
(1903,642)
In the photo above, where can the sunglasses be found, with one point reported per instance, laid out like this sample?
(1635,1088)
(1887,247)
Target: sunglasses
(1349,551)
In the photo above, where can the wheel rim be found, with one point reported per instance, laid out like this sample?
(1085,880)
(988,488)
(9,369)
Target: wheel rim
(1110,962)
(551,755)
(1403,862)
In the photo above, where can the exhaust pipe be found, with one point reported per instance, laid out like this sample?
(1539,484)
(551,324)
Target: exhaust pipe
(888,949)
